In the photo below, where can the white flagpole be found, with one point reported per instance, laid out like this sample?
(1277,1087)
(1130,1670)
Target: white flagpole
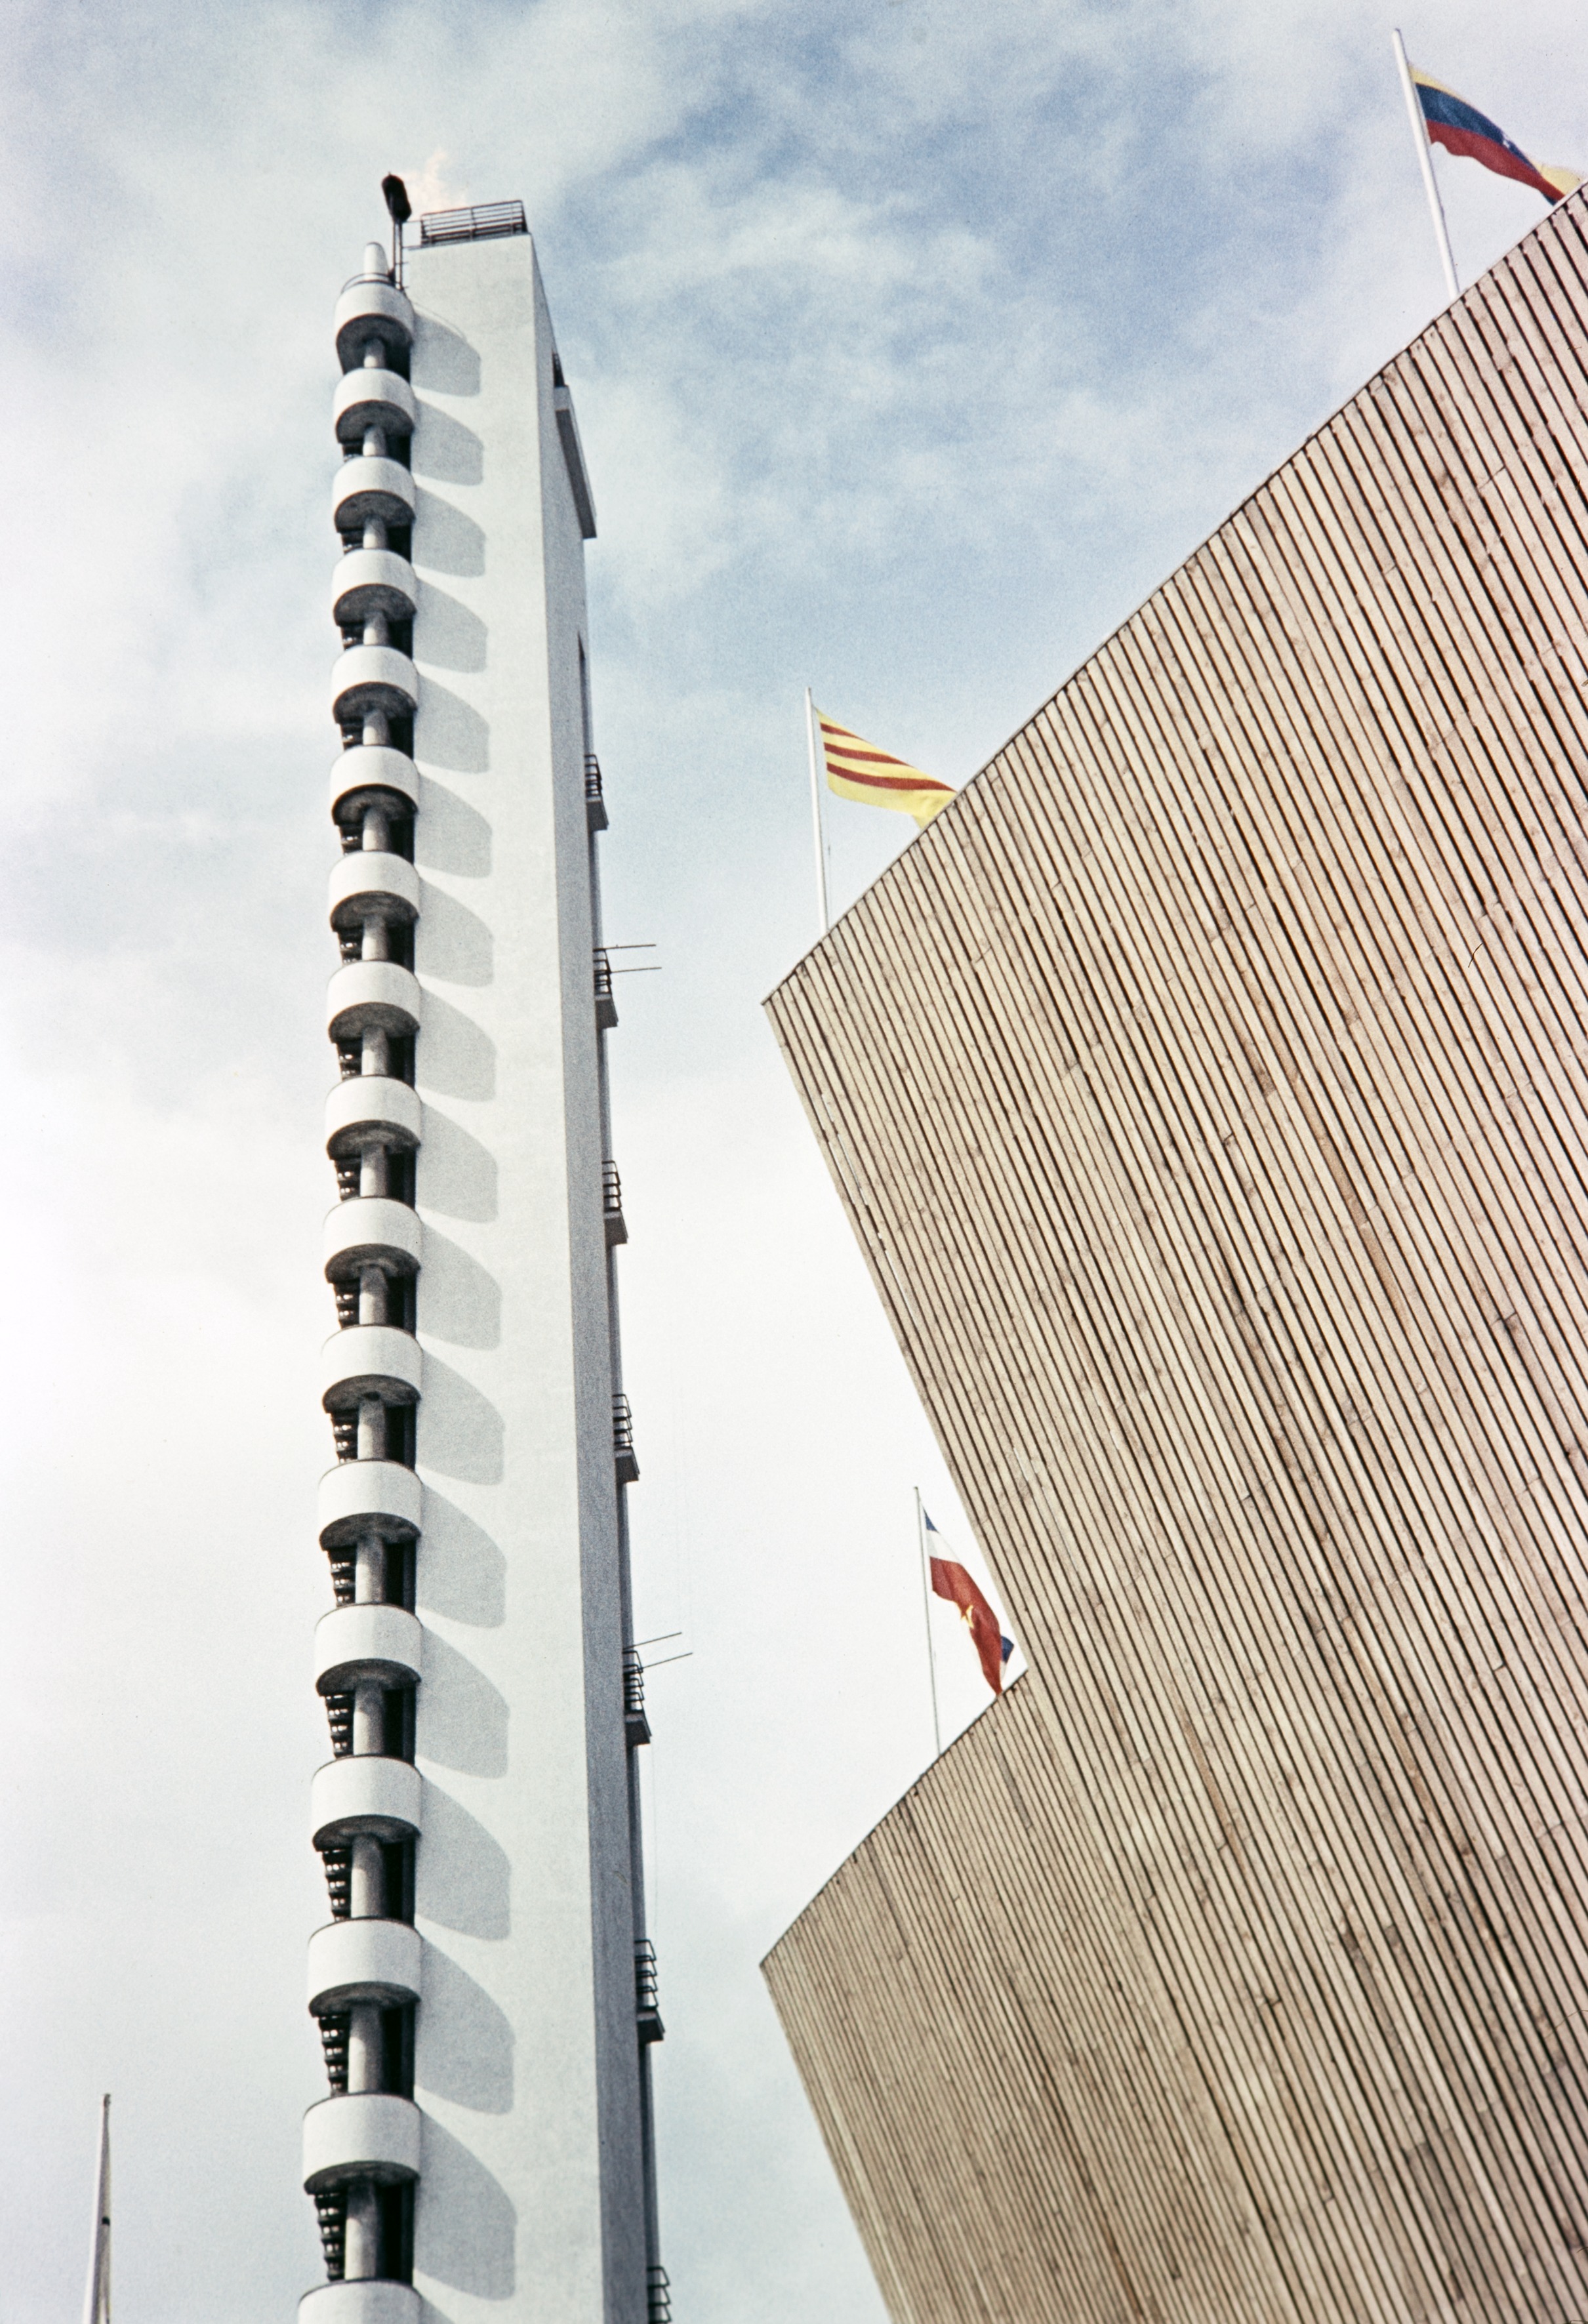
(921,1535)
(823,916)
(97,2298)
(1419,130)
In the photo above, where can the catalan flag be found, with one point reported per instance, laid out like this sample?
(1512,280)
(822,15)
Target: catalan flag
(857,770)
(1461,128)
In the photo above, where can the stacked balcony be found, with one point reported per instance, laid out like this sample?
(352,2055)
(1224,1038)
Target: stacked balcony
(361,2143)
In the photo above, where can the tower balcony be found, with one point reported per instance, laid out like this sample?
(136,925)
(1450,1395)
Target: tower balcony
(622,1442)
(369,1497)
(374,2300)
(369,1360)
(367,678)
(370,581)
(371,1230)
(371,1110)
(370,996)
(371,310)
(612,1204)
(595,802)
(377,1643)
(372,883)
(374,1961)
(606,1003)
(636,1726)
(370,488)
(369,396)
(372,2134)
(646,2009)
(364,1796)
(370,774)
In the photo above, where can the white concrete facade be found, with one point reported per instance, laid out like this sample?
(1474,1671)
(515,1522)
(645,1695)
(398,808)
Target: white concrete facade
(482,1823)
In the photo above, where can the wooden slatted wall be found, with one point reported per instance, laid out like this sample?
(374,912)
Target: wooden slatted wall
(1209,1088)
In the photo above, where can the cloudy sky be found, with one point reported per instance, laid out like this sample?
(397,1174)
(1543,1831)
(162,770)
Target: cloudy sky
(912,343)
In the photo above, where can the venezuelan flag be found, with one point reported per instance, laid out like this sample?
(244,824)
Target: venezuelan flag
(857,770)
(1461,128)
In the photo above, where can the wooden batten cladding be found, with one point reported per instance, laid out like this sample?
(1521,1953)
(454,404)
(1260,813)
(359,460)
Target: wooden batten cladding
(1208,1090)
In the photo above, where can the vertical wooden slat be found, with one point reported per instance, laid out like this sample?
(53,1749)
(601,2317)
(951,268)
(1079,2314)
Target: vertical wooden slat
(1208,1091)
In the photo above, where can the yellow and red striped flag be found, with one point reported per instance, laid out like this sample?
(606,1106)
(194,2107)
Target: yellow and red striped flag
(857,770)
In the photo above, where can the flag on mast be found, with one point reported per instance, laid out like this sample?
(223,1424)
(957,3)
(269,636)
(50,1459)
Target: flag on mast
(1451,122)
(96,2301)
(857,770)
(950,1581)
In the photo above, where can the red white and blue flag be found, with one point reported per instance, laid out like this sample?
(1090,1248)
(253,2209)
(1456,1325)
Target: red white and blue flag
(1451,122)
(950,1581)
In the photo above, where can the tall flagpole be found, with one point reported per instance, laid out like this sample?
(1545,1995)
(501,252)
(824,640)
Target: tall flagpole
(1419,130)
(823,916)
(97,2298)
(921,1535)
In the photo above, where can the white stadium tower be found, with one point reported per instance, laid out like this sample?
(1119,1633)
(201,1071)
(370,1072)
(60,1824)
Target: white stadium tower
(483,1986)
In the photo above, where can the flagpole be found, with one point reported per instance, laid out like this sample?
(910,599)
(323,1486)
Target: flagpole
(1419,130)
(921,1535)
(823,917)
(97,2298)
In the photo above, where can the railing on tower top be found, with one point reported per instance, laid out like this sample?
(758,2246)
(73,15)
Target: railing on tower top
(478,225)
(592,776)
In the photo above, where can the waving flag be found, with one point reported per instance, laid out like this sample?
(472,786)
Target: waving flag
(1461,128)
(950,1581)
(857,770)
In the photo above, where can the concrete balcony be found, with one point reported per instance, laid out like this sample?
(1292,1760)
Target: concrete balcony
(375,1961)
(370,581)
(369,883)
(370,996)
(646,2009)
(367,487)
(360,1497)
(595,800)
(372,2134)
(636,1725)
(357,1643)
(371,308)
(363,1795)
(367,775)
(606,1001)
(371,1110)
(376,2299)
(612,1204)
(371,1230)
(371,397)
(369,1359)
(367,678)
(624,1458)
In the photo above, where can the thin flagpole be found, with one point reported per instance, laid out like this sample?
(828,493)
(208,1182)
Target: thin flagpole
(1419,130)
(816,817)
(921,1535)
(97,2298)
